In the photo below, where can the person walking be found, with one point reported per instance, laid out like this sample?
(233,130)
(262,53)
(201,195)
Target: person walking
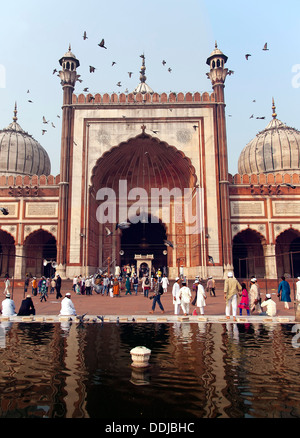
(231,289)
(158,291)
(34,286)
(127,285)
(244,303)
(88,286)
(135,282)
(67,306)
(6,285)
(200,301)
(43,289)
(146,285)
(26,284)
(254,295)
(211,286)
(185,296)
(58,287)
(165,283)
(116,287)
(105,285)
(175,294)
(52,284)
(284,292)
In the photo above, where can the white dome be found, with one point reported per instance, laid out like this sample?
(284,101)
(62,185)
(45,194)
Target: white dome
(20,153)
(275,149)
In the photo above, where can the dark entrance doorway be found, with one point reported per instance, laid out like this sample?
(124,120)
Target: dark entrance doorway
(144,238)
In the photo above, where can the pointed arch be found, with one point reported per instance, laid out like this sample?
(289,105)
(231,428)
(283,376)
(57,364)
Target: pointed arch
(248,254)
(7,253)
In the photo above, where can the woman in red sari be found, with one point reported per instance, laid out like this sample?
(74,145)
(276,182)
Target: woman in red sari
(244,304)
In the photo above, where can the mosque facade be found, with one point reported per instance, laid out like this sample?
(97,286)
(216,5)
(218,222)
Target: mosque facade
(144,176)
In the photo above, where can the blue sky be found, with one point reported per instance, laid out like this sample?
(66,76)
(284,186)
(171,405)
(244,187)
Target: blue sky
(34,35)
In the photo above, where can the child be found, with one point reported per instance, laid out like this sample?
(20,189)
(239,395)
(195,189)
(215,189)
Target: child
(244,304)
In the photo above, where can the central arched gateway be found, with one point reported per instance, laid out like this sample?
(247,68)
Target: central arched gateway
(149,184)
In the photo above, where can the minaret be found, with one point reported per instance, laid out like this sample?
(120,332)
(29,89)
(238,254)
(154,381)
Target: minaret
(68,76)
(217,75)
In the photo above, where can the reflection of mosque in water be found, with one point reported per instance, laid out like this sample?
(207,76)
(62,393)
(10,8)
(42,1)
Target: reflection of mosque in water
(61,370)
(115,150)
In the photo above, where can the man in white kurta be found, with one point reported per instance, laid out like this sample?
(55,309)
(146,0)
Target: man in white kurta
(200,297)
(175,294)
(298,289)
(185,296)
(165,283)
(67,306)
(270,305)
(8,306)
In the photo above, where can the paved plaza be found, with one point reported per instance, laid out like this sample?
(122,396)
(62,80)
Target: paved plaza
(127,308)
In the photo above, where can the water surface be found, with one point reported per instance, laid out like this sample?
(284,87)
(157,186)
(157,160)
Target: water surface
(197,370)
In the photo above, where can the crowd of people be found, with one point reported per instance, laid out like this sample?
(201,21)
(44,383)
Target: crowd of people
(236,294)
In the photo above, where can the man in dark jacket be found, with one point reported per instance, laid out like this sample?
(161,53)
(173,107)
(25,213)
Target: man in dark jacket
(58,287)
(27,307)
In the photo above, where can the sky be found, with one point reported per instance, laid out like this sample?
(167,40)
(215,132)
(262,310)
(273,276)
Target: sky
(34,35)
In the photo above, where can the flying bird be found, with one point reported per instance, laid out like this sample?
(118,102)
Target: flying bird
(163,62)
(211,260)
(86,89)
(4,211)
(53,124)
(101,318)
(289,185)
(113,63)
(54,71)
(261,118)
(168,243)
(43,131)
(251,117)
(265,47)
(230,72)
(92,69)
(169,69)
(30,101)
(84,35)
(108,231)
(123,225)
(102,44)
(130,74)
(119,84)
(247,56)
(44,120)
(195,127)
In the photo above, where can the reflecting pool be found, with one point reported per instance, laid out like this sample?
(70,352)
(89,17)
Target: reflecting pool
(197,370)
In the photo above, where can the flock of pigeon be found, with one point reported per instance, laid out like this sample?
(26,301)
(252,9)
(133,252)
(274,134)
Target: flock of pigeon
(247,55)
(92,69)
(130,73)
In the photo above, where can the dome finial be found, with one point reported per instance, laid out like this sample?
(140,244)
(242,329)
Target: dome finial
(15,118)
(216,44)
(274,115)
(143,69)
